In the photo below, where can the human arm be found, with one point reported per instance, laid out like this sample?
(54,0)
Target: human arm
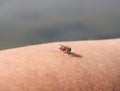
(45,68)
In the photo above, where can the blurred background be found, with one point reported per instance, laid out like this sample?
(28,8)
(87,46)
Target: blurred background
(28,22)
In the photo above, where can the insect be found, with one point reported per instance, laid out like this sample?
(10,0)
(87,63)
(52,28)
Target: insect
(65,49)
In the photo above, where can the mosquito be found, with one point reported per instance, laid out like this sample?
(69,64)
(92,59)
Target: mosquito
(65,49)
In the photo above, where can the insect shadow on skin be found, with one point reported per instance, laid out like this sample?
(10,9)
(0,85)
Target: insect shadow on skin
(75,54)
(68,50)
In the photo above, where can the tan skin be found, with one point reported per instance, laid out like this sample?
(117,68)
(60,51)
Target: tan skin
(45,68)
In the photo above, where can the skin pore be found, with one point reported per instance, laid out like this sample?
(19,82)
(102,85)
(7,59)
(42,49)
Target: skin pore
(45,68)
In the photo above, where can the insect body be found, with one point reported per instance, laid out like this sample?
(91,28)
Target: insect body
(65,49)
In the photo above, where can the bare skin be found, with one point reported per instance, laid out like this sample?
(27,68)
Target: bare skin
(45,68)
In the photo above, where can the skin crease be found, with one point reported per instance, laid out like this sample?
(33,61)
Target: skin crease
(45,68)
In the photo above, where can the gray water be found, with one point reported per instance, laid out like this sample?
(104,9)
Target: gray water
(26,22)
